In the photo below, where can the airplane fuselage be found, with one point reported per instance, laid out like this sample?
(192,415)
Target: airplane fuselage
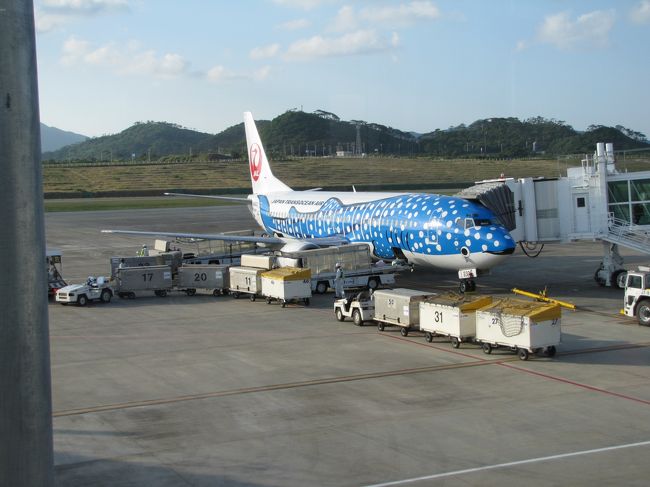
(427,229)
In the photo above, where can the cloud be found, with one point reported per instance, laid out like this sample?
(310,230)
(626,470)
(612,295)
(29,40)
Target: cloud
(354,43)
(590,29)
(294,25)
(641,13)
(264,52)
(52,14)
(301,4)
(401,15)
(219,73)
(129,60)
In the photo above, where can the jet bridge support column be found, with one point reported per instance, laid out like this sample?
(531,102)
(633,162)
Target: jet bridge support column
(25,397)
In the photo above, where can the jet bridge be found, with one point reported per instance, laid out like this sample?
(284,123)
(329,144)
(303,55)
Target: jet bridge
(593,202)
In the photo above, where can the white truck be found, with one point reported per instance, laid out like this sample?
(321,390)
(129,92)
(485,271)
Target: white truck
(94,289)
(637,295)
(360,308)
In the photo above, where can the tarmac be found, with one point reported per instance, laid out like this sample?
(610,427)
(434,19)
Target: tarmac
(206,391)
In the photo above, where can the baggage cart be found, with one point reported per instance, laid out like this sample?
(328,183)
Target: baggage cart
(245,280)
(523,326)
(399,307)
(452,315)
(210,277)
(287,284)
(156,278)
(172,259)
(266,262)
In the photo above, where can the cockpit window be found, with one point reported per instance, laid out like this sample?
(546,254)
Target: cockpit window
(483,222)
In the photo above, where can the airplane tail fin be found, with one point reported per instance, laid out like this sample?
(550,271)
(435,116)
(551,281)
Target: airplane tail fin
(262,178)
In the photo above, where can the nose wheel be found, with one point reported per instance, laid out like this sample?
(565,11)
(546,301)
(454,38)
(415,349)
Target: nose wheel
(467,285)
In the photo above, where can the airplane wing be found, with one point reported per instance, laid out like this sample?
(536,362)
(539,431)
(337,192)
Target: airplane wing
(321,242)
(209,196)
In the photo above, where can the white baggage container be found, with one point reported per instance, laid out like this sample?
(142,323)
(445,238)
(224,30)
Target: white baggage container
(213,277)
(156,278)
(452,315)
(266,262)
(524,326)
(287,284)
(399,307)
(245,280)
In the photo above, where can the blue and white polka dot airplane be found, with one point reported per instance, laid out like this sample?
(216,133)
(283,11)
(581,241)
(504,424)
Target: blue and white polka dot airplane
(443,232)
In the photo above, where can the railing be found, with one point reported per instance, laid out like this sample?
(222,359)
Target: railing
(628,234)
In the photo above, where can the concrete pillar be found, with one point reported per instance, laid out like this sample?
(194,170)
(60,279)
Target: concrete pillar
(25,396)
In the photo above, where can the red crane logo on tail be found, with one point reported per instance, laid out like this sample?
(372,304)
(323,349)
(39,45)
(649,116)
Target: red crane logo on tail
(255,158)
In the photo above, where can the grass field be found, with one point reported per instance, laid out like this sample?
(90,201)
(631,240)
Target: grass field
(65,181)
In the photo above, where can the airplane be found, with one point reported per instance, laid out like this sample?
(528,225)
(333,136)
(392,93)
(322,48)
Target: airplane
(421,229)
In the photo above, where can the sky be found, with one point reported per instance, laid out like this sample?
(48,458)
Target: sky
(416,65)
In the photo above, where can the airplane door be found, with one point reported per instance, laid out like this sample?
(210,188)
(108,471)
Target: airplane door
(581,221)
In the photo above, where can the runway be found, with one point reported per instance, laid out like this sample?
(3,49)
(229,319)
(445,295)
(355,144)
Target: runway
(204,391)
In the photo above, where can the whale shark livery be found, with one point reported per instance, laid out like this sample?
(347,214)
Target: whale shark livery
(445,232)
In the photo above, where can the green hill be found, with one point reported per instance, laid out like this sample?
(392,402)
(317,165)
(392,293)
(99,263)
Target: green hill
(297,133)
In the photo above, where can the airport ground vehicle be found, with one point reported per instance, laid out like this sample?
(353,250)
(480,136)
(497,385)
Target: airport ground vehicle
(637,295)
(54,279)
(213,278)
(286,284)
(358,269)
(524,327)
(156,278)
(94,289)
(452,315)
(246,280)
(360,308)
(398,307)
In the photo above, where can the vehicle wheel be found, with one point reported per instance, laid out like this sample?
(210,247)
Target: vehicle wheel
(356,317)
(216,292)
(161,293)
(131,295)
(487,348)
(307,301)
(463,287)
(321,287)
(123,295)
(618,278)
(284,304)
(253,297)
(643,313)
(82,300)
(523,354)
(455,342)
(190,292)
(106,296)
(380,326)
(339,314)
(404,331)
(373,283)
(268,300)
(235,295)
(551,351)
(428,337)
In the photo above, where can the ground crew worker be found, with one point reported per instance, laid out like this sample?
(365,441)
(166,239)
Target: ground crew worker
(338,281)
(122,264)
(144,251)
